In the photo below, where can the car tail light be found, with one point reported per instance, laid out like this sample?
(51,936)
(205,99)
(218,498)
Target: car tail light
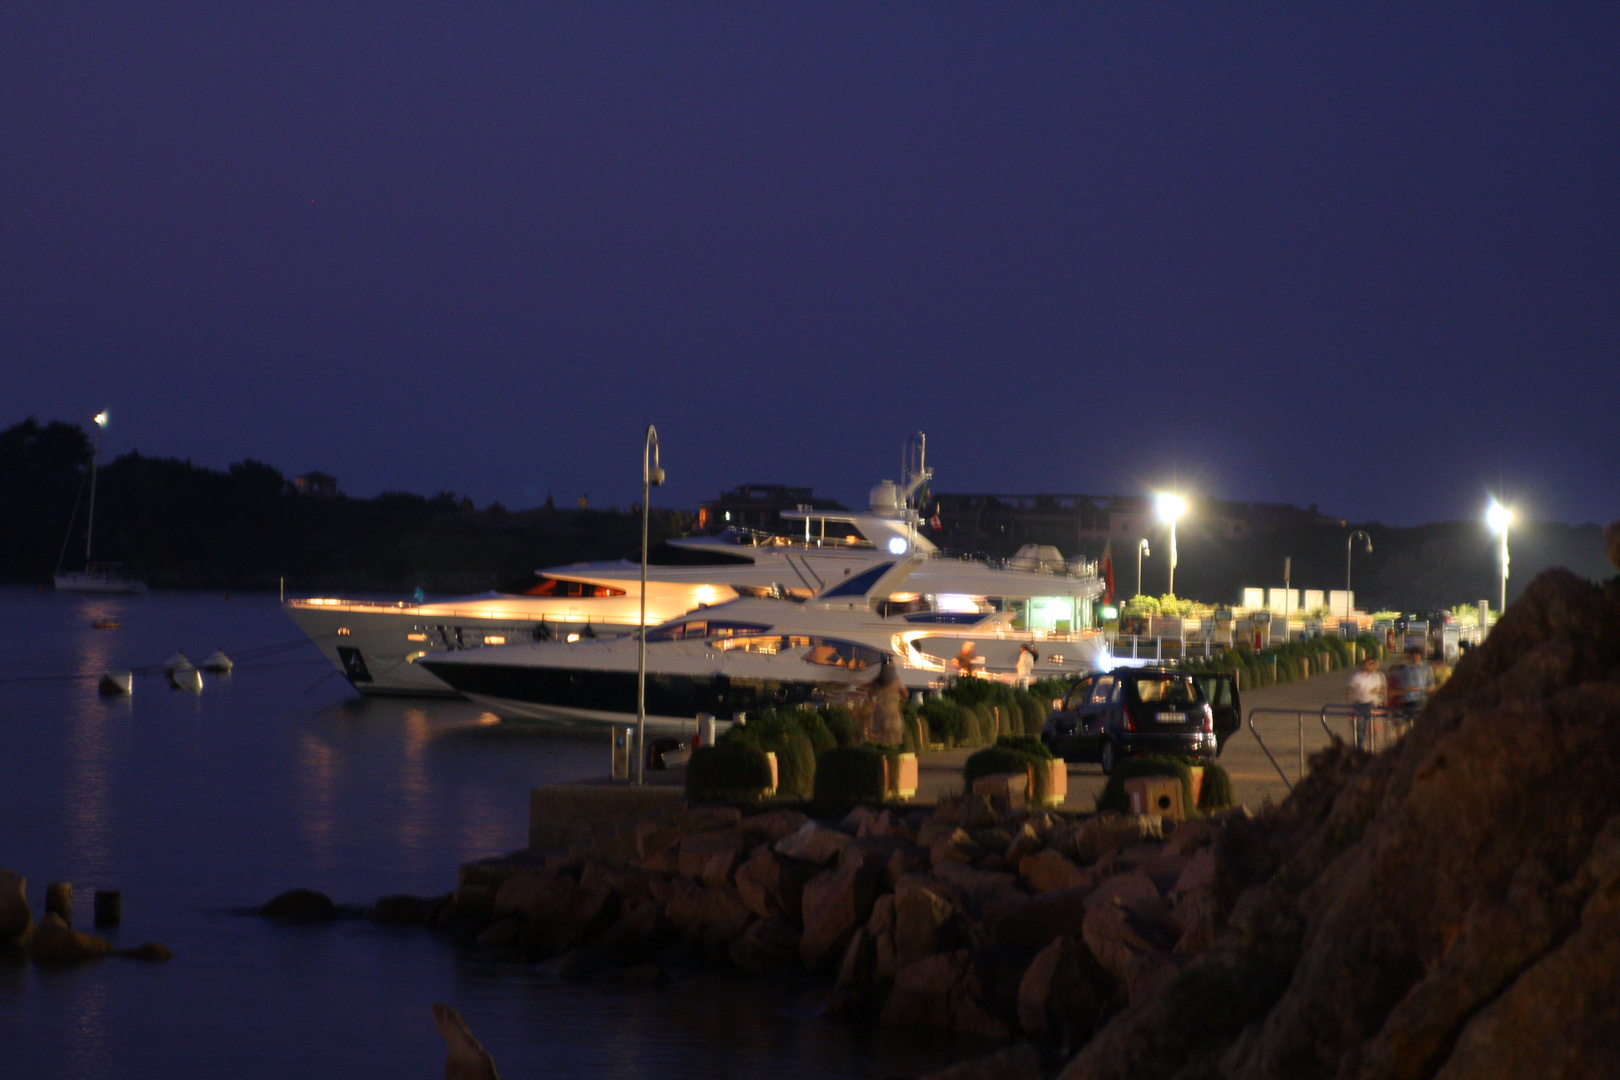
(1130,719)
(1209,719)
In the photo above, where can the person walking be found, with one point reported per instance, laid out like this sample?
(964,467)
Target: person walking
(1367,691)
(1026,665)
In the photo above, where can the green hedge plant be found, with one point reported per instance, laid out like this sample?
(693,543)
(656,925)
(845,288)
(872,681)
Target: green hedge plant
(727,771)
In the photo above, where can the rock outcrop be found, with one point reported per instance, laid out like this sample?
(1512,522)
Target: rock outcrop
(1449,908)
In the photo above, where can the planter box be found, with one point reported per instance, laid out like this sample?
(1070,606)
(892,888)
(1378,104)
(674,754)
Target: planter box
(1197,782)
(904,785)
(1057,787)
(770,756)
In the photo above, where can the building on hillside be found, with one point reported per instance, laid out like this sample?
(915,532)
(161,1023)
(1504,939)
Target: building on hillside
(757,506)
(322,485)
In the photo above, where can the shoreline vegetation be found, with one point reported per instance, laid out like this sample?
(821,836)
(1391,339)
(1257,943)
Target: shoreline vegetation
(1446,907)
(177,525)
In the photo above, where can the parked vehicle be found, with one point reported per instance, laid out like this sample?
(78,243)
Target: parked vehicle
(1135,711)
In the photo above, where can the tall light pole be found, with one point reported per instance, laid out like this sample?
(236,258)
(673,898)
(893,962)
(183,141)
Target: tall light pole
(651,476)
(1499,518)
(1141,550)
(90,522)
(1348,544)
(1170,507)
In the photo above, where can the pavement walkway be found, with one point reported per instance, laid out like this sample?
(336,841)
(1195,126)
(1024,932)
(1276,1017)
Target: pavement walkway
(1289,736)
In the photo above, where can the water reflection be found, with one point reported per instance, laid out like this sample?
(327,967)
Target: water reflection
(319,771)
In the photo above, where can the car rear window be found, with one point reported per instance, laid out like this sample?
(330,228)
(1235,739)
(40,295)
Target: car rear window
(1167,690)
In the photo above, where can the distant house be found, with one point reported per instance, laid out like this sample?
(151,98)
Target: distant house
(757,506)
(318,484)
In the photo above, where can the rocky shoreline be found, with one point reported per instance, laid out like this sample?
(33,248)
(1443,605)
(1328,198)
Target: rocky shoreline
(1447,908)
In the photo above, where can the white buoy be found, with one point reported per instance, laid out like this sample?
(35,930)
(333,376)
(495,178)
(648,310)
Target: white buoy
(178,660)
(117,682)
(218,662)
(186,678)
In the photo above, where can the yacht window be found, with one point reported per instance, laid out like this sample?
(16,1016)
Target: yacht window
(844,654)
(858,584)
(703,628)
(550,586)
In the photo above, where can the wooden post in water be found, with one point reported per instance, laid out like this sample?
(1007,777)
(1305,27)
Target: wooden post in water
(109,907)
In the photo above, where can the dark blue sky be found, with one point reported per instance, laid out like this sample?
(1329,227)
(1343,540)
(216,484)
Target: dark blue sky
(1358,255)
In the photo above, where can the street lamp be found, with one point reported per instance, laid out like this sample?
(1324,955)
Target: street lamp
(651,476)
(1171,507)
(1499,518)
(1348,544)
(90,522)
(1141,550)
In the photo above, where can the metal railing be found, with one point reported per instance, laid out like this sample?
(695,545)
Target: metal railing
(1381,729)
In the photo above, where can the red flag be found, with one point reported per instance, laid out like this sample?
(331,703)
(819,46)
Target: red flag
(1108,573)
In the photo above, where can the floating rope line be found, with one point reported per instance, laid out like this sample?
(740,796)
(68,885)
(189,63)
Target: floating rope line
(252,663)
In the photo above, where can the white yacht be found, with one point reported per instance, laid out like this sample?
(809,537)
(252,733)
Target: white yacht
(375,645)
(749,654)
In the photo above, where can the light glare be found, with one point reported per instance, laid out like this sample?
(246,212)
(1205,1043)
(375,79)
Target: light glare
(1169,507)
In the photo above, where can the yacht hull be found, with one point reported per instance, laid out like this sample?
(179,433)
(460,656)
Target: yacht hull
(99,583)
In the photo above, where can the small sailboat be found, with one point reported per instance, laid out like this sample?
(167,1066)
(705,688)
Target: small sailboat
(95,577)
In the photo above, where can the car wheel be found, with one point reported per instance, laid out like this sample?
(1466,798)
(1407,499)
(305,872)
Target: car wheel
(1106,758)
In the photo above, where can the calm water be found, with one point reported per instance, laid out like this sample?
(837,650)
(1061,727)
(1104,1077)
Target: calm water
(276,776)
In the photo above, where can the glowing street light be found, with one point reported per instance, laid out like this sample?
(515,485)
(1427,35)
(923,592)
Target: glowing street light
(1141,550)
(651,476)
(1170,507)
(1499,518)
(1348,545)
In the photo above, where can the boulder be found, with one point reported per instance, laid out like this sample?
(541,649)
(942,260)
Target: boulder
(537,896)
(1198,873)
(926,918)
(955,846)
(1116,934)
(1133,890)
(977,811)
(1026,842)
(151,951)
(859,966)
(772,825)
(902,861)
(816,844)
(980,886)
(1058,992)
(1021,1062)
(1041,919)
(16,919)
(55,942)
(640,929)
(694,904)
(945,992)
(1048,870)
(836,903)
(653,839)
(465,1058)
(1111,830)
(299,905)
(773,886)
(586,913)
(696,849)
(1439,910)
(767,945)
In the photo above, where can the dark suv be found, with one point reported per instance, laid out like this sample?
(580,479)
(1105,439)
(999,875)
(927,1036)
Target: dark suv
(1134,711)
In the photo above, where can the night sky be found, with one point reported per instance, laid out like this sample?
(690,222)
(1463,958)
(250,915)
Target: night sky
(1358,255)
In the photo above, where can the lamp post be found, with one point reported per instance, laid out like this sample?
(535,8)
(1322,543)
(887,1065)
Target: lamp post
(1348,544)
(1171,507)
(90,522)
(1499,518)
(1141,550)
(651,476)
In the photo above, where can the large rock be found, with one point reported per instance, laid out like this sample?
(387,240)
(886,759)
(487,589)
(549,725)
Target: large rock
(537,896)
(586,913)
(697,849)
(772,825)
(1059,992)
(299,905)
(1041,919)
(981,886)
(773,886)
(816,844)
(694,904)
(465,1057)
(945,992)
(16,920)
(1111,830)
(767,945)
(836,903)
(1021,1062)
(55,942)
(926,920)
(1442,909)
(1048,870)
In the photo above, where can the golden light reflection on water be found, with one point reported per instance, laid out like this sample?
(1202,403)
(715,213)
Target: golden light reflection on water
(319,773)
(416,790)
(89,796)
